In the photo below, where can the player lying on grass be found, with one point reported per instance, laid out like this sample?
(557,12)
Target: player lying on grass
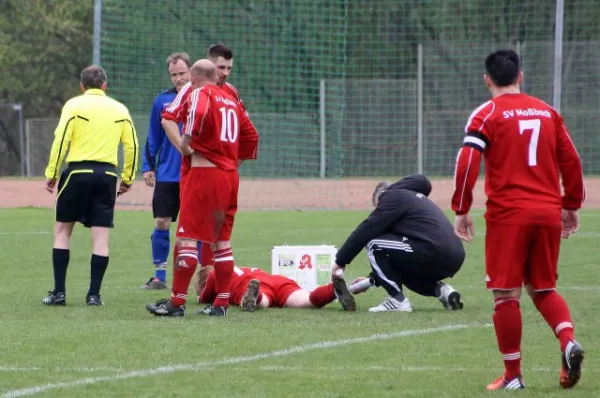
(253,287)
(409,242)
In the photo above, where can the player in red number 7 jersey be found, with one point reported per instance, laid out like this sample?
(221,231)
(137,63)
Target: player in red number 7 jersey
(209,195)
(525,146)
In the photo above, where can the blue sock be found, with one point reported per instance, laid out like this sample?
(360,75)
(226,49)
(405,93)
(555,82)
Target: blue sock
(160,253)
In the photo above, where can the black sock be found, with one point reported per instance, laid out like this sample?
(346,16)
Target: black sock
(98,267)
(399,296)
(60,262)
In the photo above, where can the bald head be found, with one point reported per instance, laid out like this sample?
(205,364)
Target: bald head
(93,77)
(203,72)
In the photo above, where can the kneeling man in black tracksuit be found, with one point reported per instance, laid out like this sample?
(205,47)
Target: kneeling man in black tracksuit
(410,242)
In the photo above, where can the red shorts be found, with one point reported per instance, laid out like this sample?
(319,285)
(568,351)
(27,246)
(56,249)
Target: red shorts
(208,204)
(184,170)
(521,254)
(279,289)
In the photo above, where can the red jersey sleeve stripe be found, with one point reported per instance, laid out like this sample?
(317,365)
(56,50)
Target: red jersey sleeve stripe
(189,125)
(179,98)
(463,184)
(581,175)
(485,110)
(205,112)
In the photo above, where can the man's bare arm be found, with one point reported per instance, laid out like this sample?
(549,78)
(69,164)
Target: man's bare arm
(172,130)
(184,145)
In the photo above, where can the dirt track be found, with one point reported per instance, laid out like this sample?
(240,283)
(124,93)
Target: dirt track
(255,194)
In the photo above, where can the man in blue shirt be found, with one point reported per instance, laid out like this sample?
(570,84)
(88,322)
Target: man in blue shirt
(161,168)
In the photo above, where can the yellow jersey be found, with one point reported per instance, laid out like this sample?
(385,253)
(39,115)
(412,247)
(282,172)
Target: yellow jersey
(91,127)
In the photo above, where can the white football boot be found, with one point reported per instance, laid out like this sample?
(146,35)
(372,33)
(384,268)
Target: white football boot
(391,304)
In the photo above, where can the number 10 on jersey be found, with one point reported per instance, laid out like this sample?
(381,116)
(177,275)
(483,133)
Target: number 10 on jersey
(229,125)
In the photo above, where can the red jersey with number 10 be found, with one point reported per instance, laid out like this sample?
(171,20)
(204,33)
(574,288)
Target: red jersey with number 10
(213,121)
(525,145)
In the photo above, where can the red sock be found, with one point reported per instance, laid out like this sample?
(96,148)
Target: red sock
(555,311)
(175,254)
(206,255)
(223,271)
(187,260)
(322,295)
(509,329)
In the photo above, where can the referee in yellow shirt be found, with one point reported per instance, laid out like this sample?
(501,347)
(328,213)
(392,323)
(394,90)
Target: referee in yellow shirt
(91,127)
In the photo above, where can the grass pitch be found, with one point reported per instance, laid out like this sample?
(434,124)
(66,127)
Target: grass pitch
(120,350)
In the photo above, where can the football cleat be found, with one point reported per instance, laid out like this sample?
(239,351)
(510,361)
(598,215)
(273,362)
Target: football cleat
(154,284)
(343,294)
(391,304)
(251,297)
(214,311)
(570,372)
(165,308)
(502,384)
(450,298)
(55,298)
(94,300)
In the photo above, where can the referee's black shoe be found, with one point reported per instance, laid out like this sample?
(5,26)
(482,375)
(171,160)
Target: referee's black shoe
(55,298)
(94,300)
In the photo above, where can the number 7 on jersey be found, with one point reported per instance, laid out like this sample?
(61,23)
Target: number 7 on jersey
(533,125)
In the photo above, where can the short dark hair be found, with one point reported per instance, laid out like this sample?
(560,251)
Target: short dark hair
(93,77)
(219,50)
(503,67)
(173,58)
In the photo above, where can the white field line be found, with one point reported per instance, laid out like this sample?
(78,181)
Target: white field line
(83,369)
(277,368)
(230,361)
(397,369)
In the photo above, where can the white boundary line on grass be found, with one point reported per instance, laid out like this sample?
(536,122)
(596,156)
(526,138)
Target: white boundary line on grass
(83,369)
(283,368)
(323,345)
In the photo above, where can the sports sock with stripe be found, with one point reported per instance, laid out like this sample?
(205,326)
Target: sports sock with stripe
(160,253)
(187,261)
(509,329)
(224,264)
(555,311)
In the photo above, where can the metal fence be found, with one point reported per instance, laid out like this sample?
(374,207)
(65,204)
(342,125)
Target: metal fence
(363,120)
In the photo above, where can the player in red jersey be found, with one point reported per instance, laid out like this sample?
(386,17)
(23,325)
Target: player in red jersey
(525,146)
(253,287)
(212,137)
(222,56)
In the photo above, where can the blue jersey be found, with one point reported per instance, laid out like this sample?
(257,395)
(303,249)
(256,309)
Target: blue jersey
(160,155)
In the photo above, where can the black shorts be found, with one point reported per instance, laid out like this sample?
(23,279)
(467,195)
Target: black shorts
(417,258)
(165,201)
(87,193)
